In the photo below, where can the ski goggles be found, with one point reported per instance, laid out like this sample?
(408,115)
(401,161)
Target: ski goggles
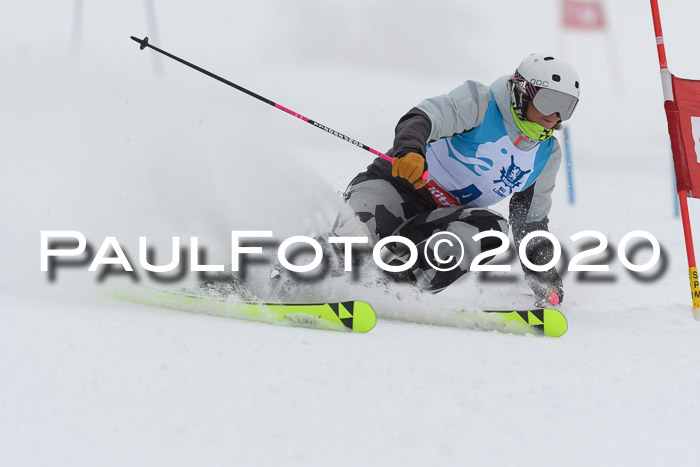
(548,101)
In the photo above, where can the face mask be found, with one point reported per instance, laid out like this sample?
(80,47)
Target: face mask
(531,129)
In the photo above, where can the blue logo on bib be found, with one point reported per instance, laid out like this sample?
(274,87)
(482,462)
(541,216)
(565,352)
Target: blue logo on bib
(467,194)
(511,177)
(472,163)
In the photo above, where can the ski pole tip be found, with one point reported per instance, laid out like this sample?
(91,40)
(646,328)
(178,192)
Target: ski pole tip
(143,42)
(553,299)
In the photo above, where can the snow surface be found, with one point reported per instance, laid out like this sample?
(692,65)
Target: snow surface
(99,137)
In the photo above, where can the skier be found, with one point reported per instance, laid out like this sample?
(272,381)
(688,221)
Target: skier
(481,144)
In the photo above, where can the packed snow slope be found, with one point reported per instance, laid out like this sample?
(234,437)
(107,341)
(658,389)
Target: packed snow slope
(101,138)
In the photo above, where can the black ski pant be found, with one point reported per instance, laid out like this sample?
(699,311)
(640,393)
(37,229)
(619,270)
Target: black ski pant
(383,208)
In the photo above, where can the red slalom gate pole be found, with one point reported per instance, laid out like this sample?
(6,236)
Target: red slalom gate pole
(672,119)
(144,43)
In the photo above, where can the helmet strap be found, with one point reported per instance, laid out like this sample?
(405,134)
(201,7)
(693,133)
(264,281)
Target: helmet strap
(518,99)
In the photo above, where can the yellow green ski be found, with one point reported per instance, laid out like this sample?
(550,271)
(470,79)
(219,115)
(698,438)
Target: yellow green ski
(540,321)
(537,321)
(354,316)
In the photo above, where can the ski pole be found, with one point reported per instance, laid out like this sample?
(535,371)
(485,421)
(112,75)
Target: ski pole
(144,43)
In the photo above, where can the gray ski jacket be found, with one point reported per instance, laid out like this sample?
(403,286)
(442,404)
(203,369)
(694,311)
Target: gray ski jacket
(460,111)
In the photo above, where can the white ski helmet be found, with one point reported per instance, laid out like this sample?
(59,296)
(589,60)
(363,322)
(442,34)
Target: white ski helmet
(550,83)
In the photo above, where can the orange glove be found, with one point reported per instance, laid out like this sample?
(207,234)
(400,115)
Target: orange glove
(411,167)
